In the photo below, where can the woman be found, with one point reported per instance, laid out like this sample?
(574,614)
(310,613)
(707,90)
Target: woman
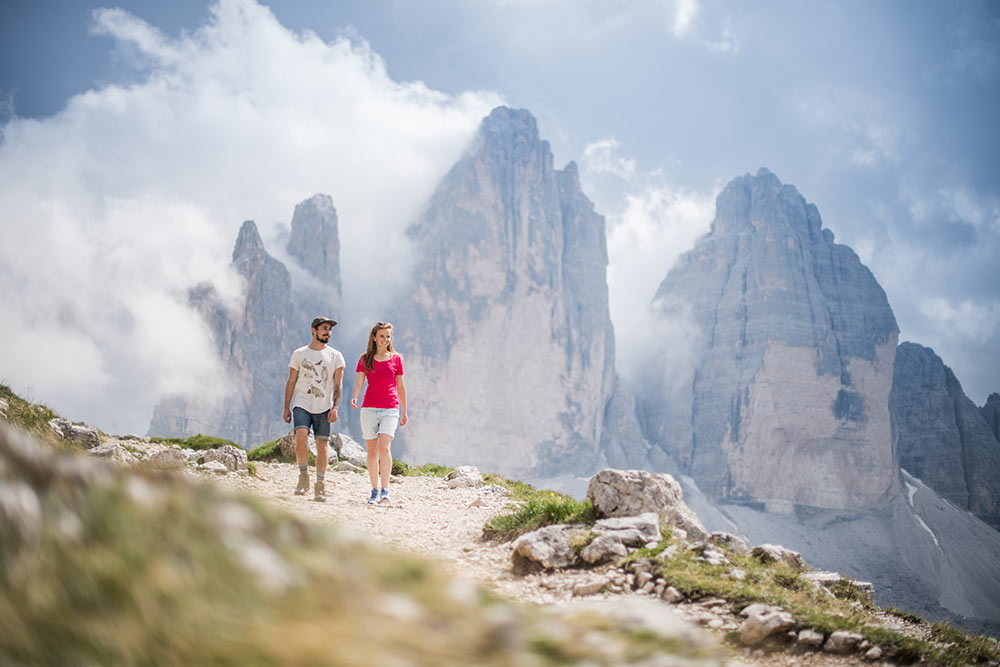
(384,407)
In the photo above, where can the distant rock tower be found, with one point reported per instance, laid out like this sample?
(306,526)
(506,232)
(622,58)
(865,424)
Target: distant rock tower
(506,334)
(255,341)
(782,397)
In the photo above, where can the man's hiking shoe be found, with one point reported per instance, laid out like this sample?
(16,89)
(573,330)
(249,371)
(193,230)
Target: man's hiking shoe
(303,485)
(320,493)
(384,496)
(373,498)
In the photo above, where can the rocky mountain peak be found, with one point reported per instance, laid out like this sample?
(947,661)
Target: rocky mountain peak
(315,240)
(249,246)
(784,393)
(748,202)
(513,261)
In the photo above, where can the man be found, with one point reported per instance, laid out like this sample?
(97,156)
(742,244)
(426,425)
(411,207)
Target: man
(315,375)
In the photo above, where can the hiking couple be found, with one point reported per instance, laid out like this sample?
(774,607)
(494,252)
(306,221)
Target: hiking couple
(312,397)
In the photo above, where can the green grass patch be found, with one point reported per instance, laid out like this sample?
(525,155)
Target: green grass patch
(536,513)
(905,615)
(427,470)
(196,442)
(776,584)
(31,417)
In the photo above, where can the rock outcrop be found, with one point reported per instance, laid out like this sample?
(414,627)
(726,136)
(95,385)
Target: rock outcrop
(787,404)
(991,413)
(315,244)
(254,344)
(255,340)
(509,344)
(944,439)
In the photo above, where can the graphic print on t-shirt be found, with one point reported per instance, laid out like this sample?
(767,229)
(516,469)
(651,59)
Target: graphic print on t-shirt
(316,376)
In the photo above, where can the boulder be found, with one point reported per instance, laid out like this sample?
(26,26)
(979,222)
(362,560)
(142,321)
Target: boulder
(842,642)
(348,449)
(115,452)
(633,531)
(762,623)
(168,458)
(464,476)
(76,434)
(234,458)
(215,466)
(730,542)
(546,548)
(773,553)
(617,493)
(809,638)
(605,548)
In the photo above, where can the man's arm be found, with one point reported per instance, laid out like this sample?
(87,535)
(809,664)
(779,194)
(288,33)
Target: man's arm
(293,375)
(338,380)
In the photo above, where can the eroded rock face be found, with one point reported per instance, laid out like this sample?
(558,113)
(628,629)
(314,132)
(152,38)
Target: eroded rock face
(991,413)
(783,399)
(508,323)
(314,243)
(255,340)
(944,438)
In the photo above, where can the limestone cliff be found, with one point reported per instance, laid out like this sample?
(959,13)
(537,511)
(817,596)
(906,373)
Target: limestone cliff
(786,399)
(506,334)
(254,344)
(255,340)
(944,439)
(991,413)
(315,244)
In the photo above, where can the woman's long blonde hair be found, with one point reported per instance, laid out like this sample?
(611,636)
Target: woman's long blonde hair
(369,356)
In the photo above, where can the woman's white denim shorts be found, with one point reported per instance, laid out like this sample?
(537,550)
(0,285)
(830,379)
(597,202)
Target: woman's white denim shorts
(379,420)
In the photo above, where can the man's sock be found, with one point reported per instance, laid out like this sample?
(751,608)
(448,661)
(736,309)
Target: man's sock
(320,476)
(303,467)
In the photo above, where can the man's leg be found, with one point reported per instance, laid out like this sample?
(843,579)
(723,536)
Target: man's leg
(300,421)
(321,456)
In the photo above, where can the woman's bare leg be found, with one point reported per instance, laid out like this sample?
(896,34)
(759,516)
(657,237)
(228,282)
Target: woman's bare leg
(385,458)
(372,447)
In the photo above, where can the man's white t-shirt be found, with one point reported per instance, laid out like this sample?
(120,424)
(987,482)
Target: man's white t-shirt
(314,386)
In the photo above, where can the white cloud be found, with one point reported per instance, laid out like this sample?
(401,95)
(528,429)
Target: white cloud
(685,12)
(659,221)
(726,42)
(112,208)
(865,131)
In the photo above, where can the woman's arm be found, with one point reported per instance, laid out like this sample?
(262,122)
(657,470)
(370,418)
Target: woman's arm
(401,391)
(359,382)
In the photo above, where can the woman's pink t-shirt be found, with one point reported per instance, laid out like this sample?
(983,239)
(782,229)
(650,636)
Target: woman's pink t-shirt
(381,392)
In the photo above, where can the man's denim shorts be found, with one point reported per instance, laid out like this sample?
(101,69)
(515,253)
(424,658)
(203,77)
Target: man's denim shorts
(379,420)
(318,422)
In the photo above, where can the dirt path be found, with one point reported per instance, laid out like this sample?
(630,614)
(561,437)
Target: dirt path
(427,518)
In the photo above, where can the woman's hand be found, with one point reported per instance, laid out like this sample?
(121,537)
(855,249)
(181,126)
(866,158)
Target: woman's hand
(354,402)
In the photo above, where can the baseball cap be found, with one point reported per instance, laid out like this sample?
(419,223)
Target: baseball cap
(323,320)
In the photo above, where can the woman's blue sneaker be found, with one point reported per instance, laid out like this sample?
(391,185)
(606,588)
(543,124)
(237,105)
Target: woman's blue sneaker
(373,498)
(384,496)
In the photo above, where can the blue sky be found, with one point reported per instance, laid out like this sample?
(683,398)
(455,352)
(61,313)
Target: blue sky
(136,140)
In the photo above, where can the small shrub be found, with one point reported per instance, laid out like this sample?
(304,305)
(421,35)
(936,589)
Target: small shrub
(399,468)
(846,589)
(251,469)
(963,649)
(788,579)
(271,451)
(905,615)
